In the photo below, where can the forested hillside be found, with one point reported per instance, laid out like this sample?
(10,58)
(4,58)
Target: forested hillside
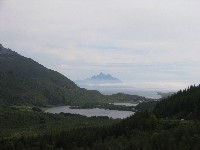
(183,105)
(171,124)
(18,122)
(25,82)
(144,131)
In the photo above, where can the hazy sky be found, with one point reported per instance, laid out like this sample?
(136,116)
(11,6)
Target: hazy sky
(145,43)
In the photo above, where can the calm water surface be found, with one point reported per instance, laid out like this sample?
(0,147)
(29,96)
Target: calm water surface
(125,104)
(91,112)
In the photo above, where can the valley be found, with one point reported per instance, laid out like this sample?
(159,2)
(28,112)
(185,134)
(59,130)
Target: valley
(99,75)
(42,109)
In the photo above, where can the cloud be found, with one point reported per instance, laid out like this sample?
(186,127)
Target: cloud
(137,41)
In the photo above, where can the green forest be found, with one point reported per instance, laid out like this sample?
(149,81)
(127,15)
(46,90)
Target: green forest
(28,88)
(146,130)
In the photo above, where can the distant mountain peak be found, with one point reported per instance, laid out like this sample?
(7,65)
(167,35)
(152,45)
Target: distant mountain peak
(101,73)
(99,81)
(103,77)
(100,78)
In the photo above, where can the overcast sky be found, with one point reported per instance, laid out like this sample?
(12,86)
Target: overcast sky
(145,43)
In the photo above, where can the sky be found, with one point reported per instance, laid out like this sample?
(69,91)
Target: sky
(144,43)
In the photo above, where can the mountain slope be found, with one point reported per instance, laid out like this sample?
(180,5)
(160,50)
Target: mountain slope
(98,79)
(183,105)
(25,82)
(103,78)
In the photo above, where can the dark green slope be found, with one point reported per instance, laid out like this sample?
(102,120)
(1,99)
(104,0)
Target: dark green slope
(25,82)
(142,131)
(17,122)
(121,97)
(183,105)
